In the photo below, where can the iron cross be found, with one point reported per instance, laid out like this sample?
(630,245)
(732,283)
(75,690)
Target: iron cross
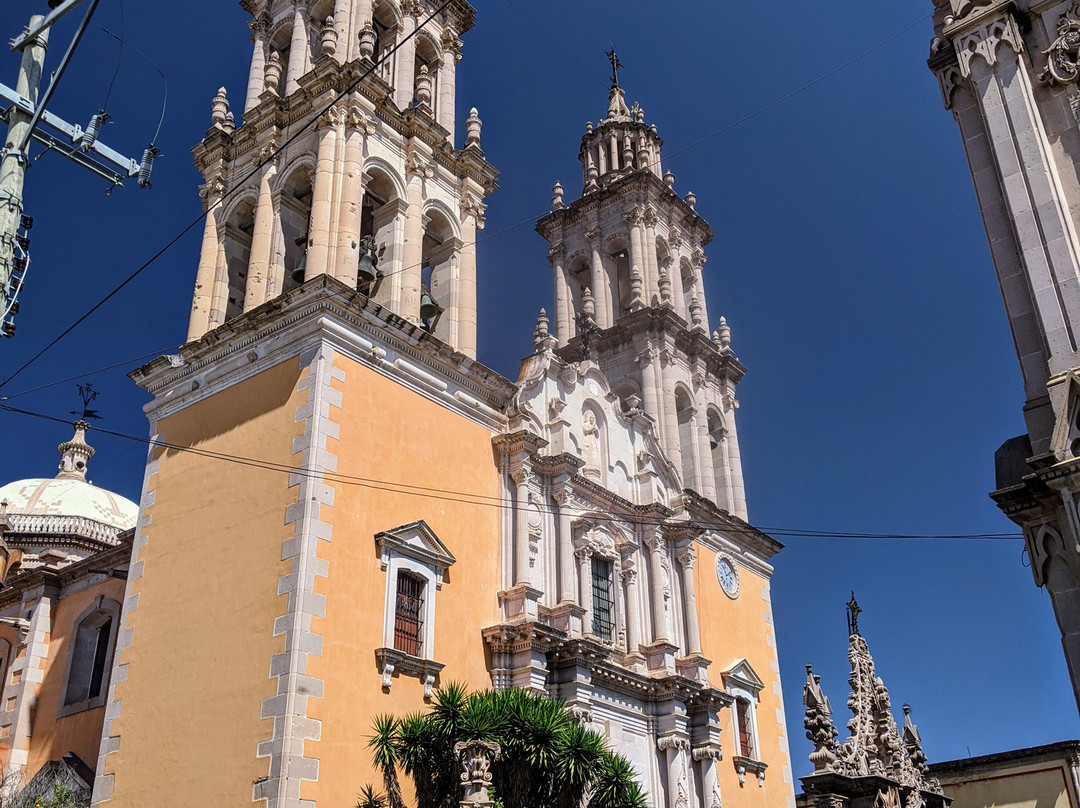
(615,63)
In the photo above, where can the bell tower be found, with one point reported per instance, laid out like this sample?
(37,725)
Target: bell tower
(628,258)
(374,194)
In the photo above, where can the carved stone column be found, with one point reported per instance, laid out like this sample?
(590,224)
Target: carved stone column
(606,309)
(566,546)
(637,256)
(298,48)
(322,194)
(656,547)
(521,477)
(472,219)
(651,269)
(406,56)
(257,73)
(451,55)
(706,472)
(686,556)
(417,171)
(476,758)
(347,256)
(206,286)
(633,608)
(697,262)
(678,783)
(563,319)
(584,560)
(262,233)
(707,758)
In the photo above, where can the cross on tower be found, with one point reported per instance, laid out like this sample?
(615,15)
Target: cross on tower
(853,611)
(615,64)
(87,393)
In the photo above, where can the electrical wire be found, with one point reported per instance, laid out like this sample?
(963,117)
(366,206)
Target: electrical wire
(236,187)
(164,82)
(503,503)
(84,374)
(119,59)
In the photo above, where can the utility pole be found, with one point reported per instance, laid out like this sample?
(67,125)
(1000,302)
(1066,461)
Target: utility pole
(27,120)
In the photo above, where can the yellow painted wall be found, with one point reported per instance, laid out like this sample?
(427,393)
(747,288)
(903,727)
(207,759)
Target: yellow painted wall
(199,667)
(1042,787)
(80,733)
(732,630)
(390,433)
(7,633)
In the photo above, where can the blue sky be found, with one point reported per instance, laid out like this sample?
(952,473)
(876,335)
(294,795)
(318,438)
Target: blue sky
(849,259)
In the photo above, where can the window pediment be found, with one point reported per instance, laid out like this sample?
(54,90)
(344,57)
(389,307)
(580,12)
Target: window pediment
(740,676)
(417,541)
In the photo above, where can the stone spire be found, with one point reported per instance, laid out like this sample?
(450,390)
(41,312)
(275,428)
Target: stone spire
(75,454)
(820,729)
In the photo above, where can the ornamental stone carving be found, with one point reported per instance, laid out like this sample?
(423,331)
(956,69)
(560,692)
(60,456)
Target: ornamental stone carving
(983,41)
(672,741)
(476,758)
(1063,55)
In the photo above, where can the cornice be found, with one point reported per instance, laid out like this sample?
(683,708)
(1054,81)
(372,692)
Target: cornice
(59,579)
(750,545)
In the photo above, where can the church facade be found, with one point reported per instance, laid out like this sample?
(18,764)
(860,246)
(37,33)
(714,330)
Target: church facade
(1008,71)
(344,509)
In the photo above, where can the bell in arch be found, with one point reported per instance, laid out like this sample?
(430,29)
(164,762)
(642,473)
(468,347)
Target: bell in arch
(429,309)
(301,267)
(366,274)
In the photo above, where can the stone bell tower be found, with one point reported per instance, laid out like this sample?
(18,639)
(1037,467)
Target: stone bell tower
(375,194)
(1008,71)
(629,293)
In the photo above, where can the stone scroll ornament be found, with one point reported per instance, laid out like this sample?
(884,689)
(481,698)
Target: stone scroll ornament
(1063,55)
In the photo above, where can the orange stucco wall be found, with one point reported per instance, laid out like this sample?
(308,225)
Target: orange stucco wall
(733,630)
(1037,787)
(392,434)
(53,736)
(198,668)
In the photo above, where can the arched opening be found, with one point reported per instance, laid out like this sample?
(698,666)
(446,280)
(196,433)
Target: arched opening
(237,249)
(717,436)
(619,263)
(294,207)
(626,390)
(279,46)
(439,255)
(385,21)
(684,414)
(689,287)
(382,219)
(577,278)
(427,57)
(321,14)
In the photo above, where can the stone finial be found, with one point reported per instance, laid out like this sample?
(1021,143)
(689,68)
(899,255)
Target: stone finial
(639,113)
(818,722)
(588,304)
(329,37)
(423,88)
(541,333)
(272,72)
(557,196)
(695,313)
(588,127)
(473,125)
(367,41)
(75,454)
(637,288)
(723,334)
(230,123)
(476,758)
(219,109)
(664,284)
(691,200)
(669,179)
(913,741)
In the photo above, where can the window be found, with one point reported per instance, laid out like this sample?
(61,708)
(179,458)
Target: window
(90,655)
(408,614)
(603,607)
(746,728)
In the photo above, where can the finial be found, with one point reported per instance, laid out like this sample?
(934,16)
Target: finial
(669,179)
(695,313)
(219,109)
(272,72)
(690,199)
(367,41)
(664,284)
(75,454)
(423,88)
(230,123)
(329,37)
(615,65)
(541,334)
(473,125)
(724,333)
(636,288)
(588,303)
(853,612)
(588,126)
(638,113)
(818,723)
(557,196)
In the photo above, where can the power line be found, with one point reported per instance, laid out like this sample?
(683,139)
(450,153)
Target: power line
(84,374)
(236,187)
(502,503)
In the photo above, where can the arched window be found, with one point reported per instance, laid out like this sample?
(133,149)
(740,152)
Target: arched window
(237,244)
(90,653)
(427,56)
(689,287)
(684,413)
(294,204)
(385,22)
(620,262)
(382,216)
(439,253)
(719,464)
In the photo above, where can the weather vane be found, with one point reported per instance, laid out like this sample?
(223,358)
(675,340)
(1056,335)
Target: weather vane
(853,612)
(87,393)
(615,64)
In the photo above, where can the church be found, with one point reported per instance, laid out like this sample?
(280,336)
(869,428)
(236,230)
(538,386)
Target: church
(343,509)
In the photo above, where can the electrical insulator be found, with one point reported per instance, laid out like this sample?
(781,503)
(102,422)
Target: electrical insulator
(26,222)
(93,129)
(147,165)
(23,242)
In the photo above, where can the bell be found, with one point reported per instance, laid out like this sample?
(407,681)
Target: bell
(429,309)
(298,273)
(365,270)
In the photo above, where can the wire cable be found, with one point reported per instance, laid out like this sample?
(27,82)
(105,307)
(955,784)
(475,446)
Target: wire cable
(503,503)
(119,58)
(164,82)
(236,187)
(84,374)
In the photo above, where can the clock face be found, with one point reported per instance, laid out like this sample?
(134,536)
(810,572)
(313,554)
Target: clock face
(728,576)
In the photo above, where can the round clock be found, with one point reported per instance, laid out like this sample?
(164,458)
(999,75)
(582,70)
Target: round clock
(728,576)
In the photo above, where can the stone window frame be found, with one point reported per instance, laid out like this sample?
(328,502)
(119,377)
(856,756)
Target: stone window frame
(101,605)
(413,549)
(744,685)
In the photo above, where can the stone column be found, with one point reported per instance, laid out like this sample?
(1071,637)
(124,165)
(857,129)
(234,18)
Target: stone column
(633,609)
(707,757)
(566,546)
(678,787)
(563,318)
(686,556)
(406,57)
(257,73)
(656,546)
(706,472)
(521,477)
(412,252)
(360,16)
(651,268)
(584,559)
(472,219)
(637,257)
(698,263)
(31,663)
(735,475)
(262,233)
(206,275)
(451,55)
(606,313)
(298,47)
(322,193)
(347,257)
